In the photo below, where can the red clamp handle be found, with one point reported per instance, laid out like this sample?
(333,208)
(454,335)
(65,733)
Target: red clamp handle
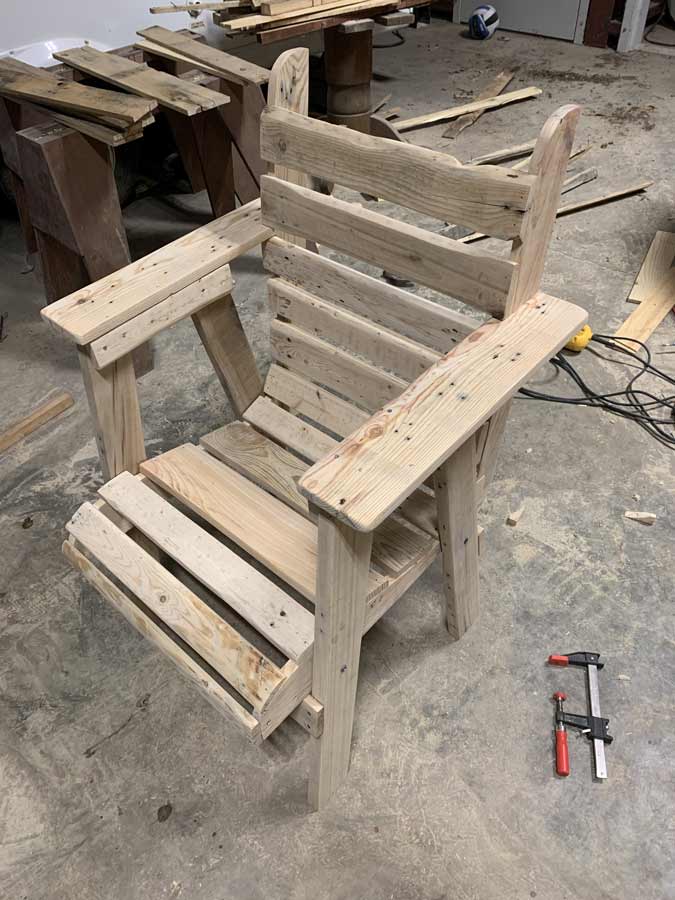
(562,757)
(555,660)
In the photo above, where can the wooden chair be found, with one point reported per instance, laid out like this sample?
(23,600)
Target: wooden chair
(257,560)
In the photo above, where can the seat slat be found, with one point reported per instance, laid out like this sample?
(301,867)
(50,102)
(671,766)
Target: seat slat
(378,345)
(429,259)
(425,180)
(395,546)
(362,382)
(281,619)
(263,526)
(414,317)
(249,671)
(216,695)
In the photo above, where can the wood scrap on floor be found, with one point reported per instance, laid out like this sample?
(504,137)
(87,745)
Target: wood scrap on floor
(642,322)
(644,518)
(454,112)
(514,517)
(499,156)
(495,87)
(44,413)
(659,259)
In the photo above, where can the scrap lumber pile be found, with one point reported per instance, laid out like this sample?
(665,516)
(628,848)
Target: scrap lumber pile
(108,116)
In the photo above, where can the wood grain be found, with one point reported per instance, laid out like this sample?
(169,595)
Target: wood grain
(44,413)
(454,112)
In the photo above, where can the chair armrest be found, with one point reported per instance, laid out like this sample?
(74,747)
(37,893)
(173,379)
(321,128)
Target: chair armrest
(113,300)
(378,466)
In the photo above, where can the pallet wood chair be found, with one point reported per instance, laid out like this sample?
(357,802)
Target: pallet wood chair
(375,433)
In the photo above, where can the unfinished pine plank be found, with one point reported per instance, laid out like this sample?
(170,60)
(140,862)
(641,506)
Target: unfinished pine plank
(189,300)
(498,156)
(263,526)
(186,7)
(424,180)
(113,403)
(249,672)
(304,398)
(224,64)
(276,615)
(118,110)
(659,259)
(177,94)
(342,578)
(455,488)
(641,323)
(91,312)
(414,317)
(364,384)
(454,112)
(410,252)
(213,692)
(495,87)
(302,438)
(278,7)
(579,178)
(380,464)
(44,413)
(326,10)
(265,463)
(382,347)
(227,346)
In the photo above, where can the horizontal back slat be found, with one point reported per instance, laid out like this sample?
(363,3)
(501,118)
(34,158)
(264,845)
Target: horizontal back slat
(487,198)
(362,382)
(429,259)
(414,317)
(378,345)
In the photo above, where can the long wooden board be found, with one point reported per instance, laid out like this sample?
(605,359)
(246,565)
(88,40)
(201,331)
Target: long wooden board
(227,66)
(89,313)
(442,115)
(659,259)
(177,94)
(651,312)
(437,262)
(493,89)
(43,414)
(429,182)
(379,465)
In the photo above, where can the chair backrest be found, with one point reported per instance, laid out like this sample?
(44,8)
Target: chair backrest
(355,334)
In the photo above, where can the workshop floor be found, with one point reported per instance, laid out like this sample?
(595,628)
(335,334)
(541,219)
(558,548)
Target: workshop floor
(452,792)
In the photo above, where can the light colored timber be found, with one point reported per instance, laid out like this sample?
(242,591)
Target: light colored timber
(166,53)
(327,10)
(380,464)
(579,178)
(249,672)
(304,398)
(659,259)
(312,444)
(454,483)
(278,7)
(91,312)
(276,615)
(96,130)
(641,323)
(227,66)
(382,347)
(209,687)
(39,417)
(263,462)
(177,94)
(198,5)
(408,251)
(342,578)
(108,107)
(189,300)
(414,317)
(442,187)
(454,112)
(492,89)
(260,524)
(498,156)
(364,384)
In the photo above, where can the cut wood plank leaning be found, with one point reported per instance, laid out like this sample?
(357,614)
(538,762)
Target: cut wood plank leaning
(651,312)
(659,259)
(495,87)
(229,67)
(442,115)
(21,429)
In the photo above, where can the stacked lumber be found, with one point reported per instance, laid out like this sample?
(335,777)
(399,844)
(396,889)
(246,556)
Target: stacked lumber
(278,14)
(107,116)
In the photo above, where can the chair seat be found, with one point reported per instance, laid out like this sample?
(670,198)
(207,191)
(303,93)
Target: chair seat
(243,630)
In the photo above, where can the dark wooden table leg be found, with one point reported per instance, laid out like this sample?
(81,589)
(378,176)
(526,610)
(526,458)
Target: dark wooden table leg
(348,60)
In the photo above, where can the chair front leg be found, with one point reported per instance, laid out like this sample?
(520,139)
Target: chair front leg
(455,487)
(342,584)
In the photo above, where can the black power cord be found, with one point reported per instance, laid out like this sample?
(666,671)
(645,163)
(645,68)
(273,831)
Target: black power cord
(656,415)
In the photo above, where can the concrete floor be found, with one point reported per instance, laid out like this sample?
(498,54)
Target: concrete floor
(452,792)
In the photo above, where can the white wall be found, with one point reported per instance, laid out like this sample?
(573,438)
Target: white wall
(111,22)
